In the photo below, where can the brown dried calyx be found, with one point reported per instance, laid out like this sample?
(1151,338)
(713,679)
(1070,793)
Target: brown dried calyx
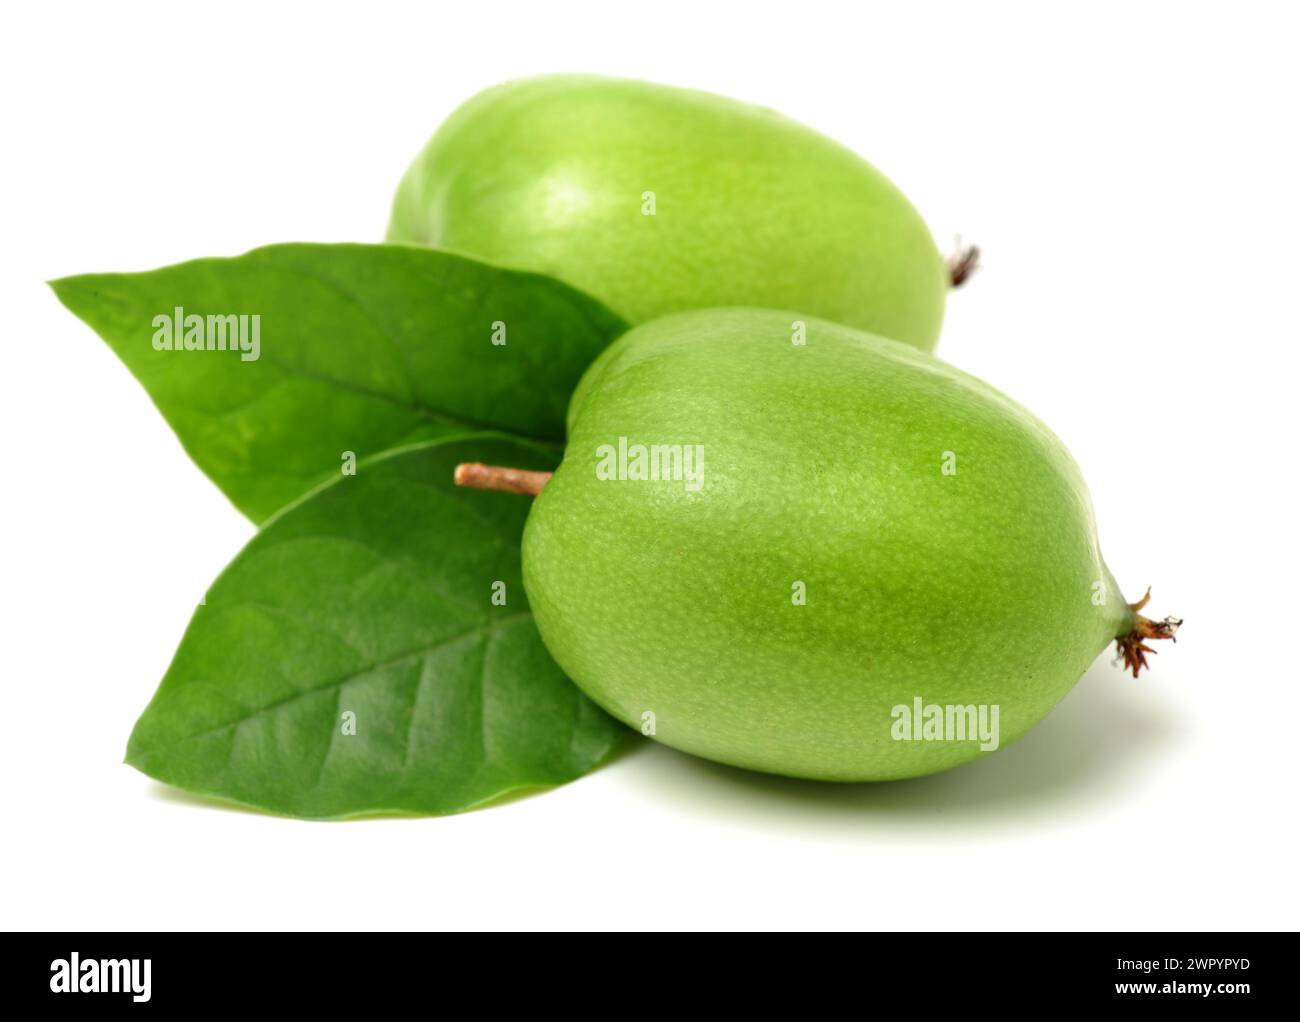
(1132,647)
(963,263)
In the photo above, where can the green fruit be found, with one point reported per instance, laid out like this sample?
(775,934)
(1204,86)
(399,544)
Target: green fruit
(555,175)
(941,536)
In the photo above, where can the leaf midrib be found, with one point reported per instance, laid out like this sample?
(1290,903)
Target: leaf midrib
(134,755)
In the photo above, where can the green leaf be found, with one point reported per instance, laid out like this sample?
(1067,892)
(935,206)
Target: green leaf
(372,596)
(362,348)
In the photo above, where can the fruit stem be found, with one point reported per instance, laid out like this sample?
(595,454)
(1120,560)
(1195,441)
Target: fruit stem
(497,477)
(963,263)
(1132,647)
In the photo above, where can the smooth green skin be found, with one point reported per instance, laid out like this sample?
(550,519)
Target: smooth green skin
(548,174)
(823,464)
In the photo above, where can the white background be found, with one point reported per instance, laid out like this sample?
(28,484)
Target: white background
(1132,174)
